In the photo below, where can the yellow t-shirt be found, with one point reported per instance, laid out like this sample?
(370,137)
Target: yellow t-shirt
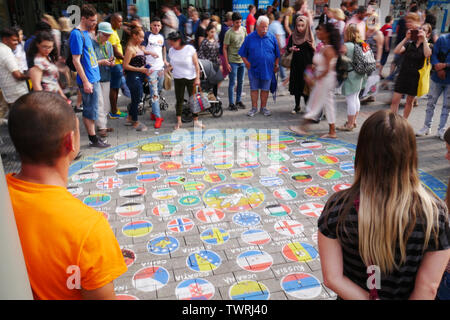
(115,41)
(60,234)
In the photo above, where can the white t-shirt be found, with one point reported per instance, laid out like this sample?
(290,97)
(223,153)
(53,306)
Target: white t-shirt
(181,61)
(155,43)
(12,89)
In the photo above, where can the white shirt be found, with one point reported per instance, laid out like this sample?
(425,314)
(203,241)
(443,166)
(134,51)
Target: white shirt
(155,44)
(21,57)
(12,89)
(181,61)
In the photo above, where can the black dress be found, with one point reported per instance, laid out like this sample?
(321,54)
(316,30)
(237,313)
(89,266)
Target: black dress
(408,77)
(300,60)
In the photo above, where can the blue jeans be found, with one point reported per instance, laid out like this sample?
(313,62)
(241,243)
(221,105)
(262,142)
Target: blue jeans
(90,101)
(155,84)
(436,89)
(237,70)
(134,83)
(444,288)
(282,73)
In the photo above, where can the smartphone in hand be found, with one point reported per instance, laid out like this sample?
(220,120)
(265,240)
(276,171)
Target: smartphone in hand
(414,35)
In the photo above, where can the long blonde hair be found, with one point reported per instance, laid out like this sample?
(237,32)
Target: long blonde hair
(51,21)
(391,197)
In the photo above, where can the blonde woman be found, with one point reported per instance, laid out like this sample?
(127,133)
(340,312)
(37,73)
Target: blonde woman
(351,87)
(386,223)
(337,17)
(55,30)
(375,39)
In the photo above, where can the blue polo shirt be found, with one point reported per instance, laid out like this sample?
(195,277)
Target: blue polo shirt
(441,49)
(261,52)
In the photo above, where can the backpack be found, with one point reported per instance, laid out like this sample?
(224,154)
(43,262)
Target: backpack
(363,59)
(342,65)
(69,60)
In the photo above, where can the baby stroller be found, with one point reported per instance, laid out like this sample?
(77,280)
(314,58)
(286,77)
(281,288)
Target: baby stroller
(209,76)
(146,99)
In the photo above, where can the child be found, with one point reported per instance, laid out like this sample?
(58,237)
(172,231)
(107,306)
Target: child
(387,33)
(156,59)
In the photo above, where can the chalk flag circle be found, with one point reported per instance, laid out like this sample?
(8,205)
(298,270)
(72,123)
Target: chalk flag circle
(286,139)
(97,200)
(195,289)
(214,177)
(285,194)
(316,192)
(138,228)
(242,174)
(150,279)
(164,210)
(125,155)
(149,159)
(348,166)
(289,227)
(129,256)
(126,297)
(301,177)
(341,186)
(311,144)
(246,219)
(330,174)
(189,200)
(249,290)
(254,261)
(255,236)
(338,151)
(301,152)
(85,177)
(193,186)
(299,252)
(233,197)
(163,245)
(180,225)
(209,215)
(175,180)
(278,169)
(197,170)
(302,164)
(270,181)
(314,237)
(152,147)
(277,210)
(109,183)
(130,209)
(170,166)
(164,194)
(203,261)
(148,176)
(127,170)
(105,164)
(215,236)
(133,192)
(327,160)
(313,210)
(301,285)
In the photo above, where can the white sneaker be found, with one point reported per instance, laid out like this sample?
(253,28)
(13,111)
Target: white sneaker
(441,133)
(423,132)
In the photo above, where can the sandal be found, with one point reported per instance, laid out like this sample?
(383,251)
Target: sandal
(140,127)
(198,124)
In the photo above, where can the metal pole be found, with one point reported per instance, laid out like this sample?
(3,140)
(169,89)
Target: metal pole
(14,283)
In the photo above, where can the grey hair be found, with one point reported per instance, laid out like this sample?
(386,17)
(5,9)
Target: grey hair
(261,19)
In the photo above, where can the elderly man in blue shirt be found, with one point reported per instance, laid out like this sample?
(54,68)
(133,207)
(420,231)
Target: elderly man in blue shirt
(440,83)
(261,55)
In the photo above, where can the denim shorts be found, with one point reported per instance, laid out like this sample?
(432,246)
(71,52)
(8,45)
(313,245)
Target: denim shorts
(258,84)
(116,76)
(90,101)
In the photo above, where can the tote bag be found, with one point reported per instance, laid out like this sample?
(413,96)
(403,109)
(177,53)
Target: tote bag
(424,80)
(198,101)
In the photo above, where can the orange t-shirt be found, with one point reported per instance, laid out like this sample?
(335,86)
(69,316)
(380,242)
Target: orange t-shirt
(57,232)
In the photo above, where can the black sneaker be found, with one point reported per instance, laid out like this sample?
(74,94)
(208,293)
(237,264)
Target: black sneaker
(232,107)
(99,144)
(240,105)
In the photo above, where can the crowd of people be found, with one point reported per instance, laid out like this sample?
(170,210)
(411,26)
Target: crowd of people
(401,227)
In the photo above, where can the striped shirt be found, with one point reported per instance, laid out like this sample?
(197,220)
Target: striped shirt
(400,283)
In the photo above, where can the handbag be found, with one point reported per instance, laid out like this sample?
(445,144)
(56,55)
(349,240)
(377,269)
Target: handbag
(286,58)
(198,101)
(167,80)
(424,81)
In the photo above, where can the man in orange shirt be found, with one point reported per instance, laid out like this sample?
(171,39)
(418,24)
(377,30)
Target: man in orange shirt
(69,248)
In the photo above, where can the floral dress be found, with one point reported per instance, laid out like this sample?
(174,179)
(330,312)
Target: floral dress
(209,50)
(50,74)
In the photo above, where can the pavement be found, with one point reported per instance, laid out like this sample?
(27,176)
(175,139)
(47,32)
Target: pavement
(224,230)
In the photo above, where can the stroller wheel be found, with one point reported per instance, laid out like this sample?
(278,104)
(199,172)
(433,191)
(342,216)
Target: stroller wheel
(186,115)
(217,110)
(163,103)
